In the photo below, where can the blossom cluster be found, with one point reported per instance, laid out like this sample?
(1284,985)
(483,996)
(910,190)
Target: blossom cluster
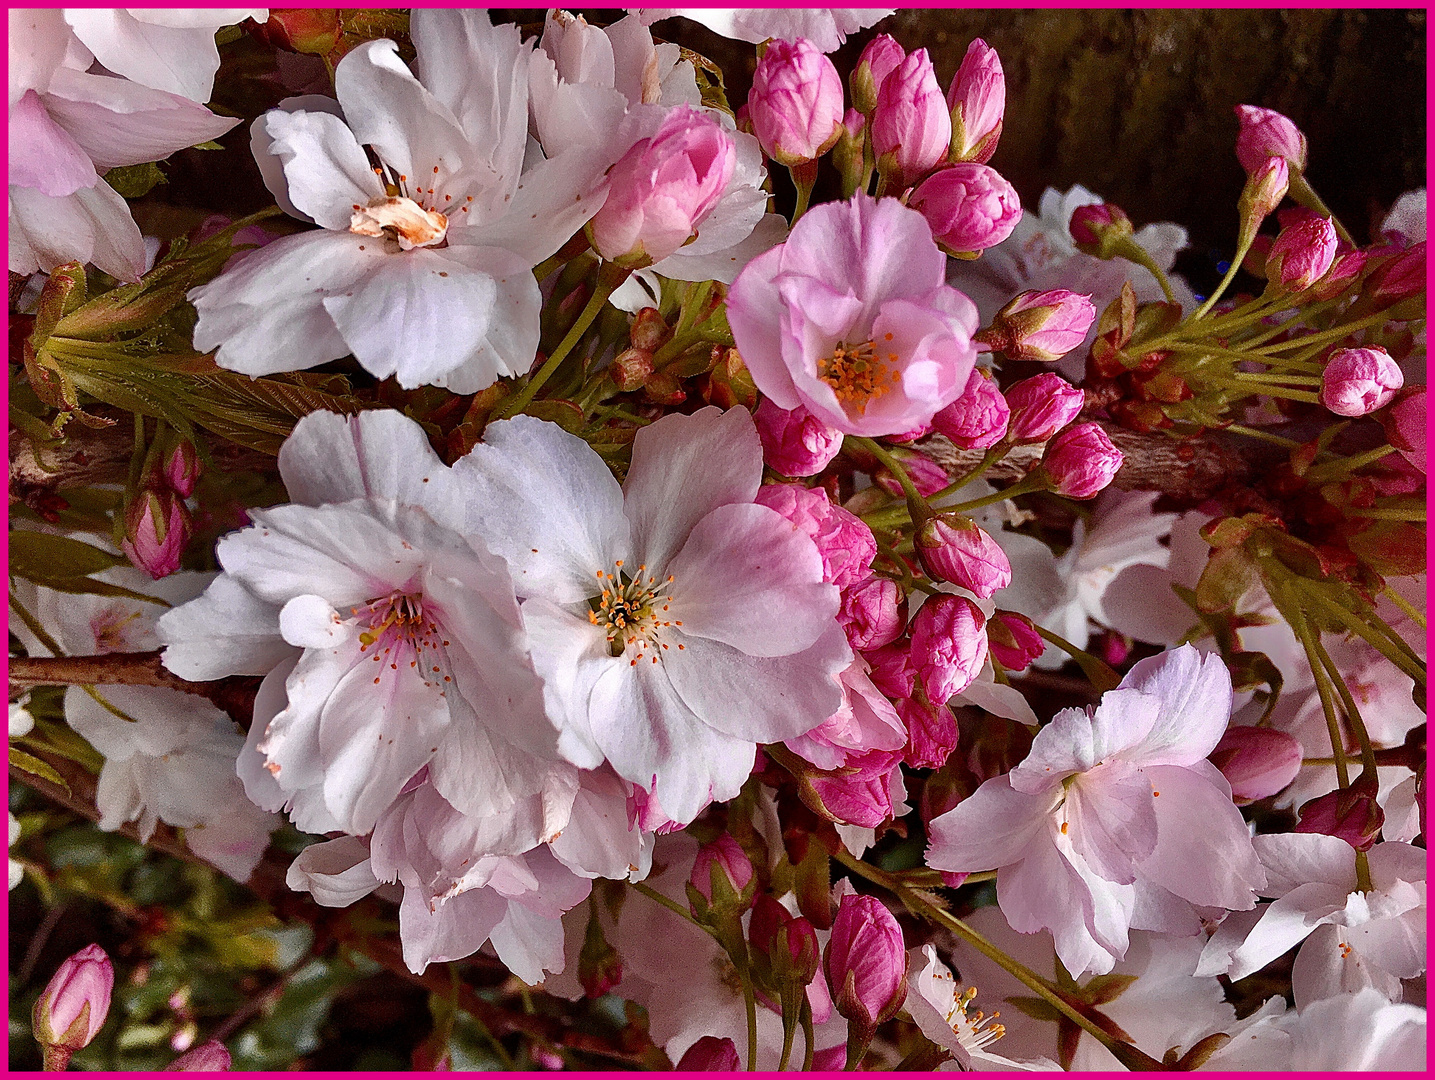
(668,595)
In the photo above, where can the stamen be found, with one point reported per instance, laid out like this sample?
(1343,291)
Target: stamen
(857,375)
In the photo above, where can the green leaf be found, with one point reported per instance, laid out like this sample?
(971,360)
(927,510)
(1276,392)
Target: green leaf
(39,556)
(132,181)
(35,767)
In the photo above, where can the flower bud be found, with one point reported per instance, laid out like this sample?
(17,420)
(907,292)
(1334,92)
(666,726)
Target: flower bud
(1081,461)
(1264,190)
(1301,254)
(1041,325)
(796,102)
(932,732)
(976,100)
(873,613)
(1404,424)
(1257,762)
(1344,268)
(72,1009)
(157,525)
(844,540)
(1099,230)
(650,330)
(662,188)
(866,962)
(206,1057)
(926,475)
(770,924)
(848,154)
(1350,813)
(723,866)
(1041,406)
(795,443)
(181,468)
(1402,277)
(949,645)
(315,31)
(954,548)
(911,128)
(630,369)
(1013,640)
(1265,134)
(880,58)
(978,419)
(969,207)
(860,793)
(710,1054)
(911,435)
(1359,381)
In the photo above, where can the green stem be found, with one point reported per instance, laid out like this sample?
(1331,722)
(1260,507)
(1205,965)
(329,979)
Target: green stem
(916,504)
(1341,466)
(1404,605)
(1253,433)
(672,905)
(809,1038)
(804,176)
(1240,256)
(1297,622)
(1352,714)
(1134,252)
(1127,1054)
(609,278)
(1036,480)
(1393,649)
(1324,337)
(750,1002)
(1248,389)
(1276,377)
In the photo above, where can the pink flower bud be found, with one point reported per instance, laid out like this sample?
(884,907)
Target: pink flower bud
(157,526)
(978,419)
(954,548)
(769,918)
(662,188)
(911,435)
(1344,268)
(1097,230)
(861,793)
(206,1057)
(880,58)
(949,645)
(1041,406)
(892,671)
(710,1054)
(795,443)
(181,468)
(932,732)
(1301,254)
(1404,426)
(1013,640)
(1081,461)
(926,475)
(1257,762)
(866,962)
(1351,814)
(911,128)
(873,613)
(1359,381)
(1265,134)
(844,540)
(796,102)
(970,207)
(1041,325)
(72,1008)
(976,100)
(1264,190)
(1402,277)
(725,857)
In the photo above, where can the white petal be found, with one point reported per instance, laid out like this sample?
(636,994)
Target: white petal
(227,631)
(724,264)
(259,784)
(1195,694)
(458,927)
(42,154)
(1285,923)
(261,146)
(992,827)
(598,841)
(92,225)
(1075,742)
(571,655)
(326,170)
(1293,859)
(178,60)
(543,500)
(758,698)
(684,467)
(1112,819)
(336,873)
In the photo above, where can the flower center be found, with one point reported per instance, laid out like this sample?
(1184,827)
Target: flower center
(631,610)
(857,374)
(401,219)
(399,632)
(976,1031)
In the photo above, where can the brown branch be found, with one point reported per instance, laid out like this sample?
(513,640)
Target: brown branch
(235,695)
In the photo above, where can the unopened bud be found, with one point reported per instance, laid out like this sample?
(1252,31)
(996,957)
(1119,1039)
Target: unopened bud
(1301,254)
(315,31)
(1081,461)
(866,962)
(70,1011)
(181,468)
(1349,813)
(1041,325)
(954,548)
(977,101)
(710,1054)
(1013,640)
(1100,230)
(1264,190)
(206,1057)
(1264,134)
(157,526)
(873,613)
(949,645)
(978,419)
(649,330)
(1359,381)
(630,369)
(879,59)
(1257,762)
(1041,406)
(722,874)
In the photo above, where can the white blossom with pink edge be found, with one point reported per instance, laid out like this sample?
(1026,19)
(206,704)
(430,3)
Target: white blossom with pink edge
(676,623)
(389,640)
(1360,1032)
(67,127)
(1352,939)
(1115,819)
(422,269)
(174,760)
(827,28)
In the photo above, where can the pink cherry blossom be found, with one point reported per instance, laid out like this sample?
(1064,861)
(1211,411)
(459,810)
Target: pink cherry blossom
(1079,834)
(851,318)
(844,540)
(1041,406)
(977,100)
(970,207)
(949,645)
(1081,461)
(1265,133)
(795,102)
(911,126)
(873,612)
(1359,381)
(979,418)
(794,442)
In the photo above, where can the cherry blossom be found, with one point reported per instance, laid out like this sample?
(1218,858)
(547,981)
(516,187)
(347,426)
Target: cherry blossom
(422,266)
(675,623)
(1115,819)
(827,28)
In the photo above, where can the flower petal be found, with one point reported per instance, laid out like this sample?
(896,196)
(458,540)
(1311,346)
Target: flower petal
(42,154)
(544,501)
(92,225)
(326,171)
(684,467)
(570,655)
(1194,690)
(993,827)
(1075,742)
(1112,820)
(335,873)
(227,631)
(451,930)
